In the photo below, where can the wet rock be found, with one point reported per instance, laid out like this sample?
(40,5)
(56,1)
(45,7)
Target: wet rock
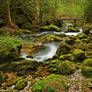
(66,68)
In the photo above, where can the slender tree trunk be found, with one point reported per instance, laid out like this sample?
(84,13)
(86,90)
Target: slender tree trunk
(9,20)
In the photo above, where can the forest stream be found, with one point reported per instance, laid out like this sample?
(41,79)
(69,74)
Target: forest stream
(50,48)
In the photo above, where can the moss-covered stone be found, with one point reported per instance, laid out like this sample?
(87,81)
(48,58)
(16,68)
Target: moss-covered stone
(72,29)
(21,84)
(53,83)
(64,48)
(65,57)
(9,48)
(79,54)
(24,65)
(70,41)
(88,62)
(87,71)
(66,68)
(82,36)
(52,67)
(50,28)
(49,38)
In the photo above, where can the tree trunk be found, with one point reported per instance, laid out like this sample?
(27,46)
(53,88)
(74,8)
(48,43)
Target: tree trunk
(9,20)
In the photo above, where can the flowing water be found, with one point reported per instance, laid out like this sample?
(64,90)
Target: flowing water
(49,50)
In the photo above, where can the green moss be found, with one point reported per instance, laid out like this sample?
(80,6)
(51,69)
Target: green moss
(88,62)
(71,29)
(50,28)
(65,57)
(53,83)
(70,41)
(79,54)
(52,67)
(86,71)
(64,48)
(9,47)
(66,68)
(24,65)
(82,36)
(21,84)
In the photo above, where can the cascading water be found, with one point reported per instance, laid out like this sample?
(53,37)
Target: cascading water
(49,48)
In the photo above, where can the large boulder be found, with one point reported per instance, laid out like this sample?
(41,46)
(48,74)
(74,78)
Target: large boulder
(9,48)
(53,83)
(87,68)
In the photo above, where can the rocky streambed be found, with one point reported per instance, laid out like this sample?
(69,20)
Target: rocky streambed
(49,61)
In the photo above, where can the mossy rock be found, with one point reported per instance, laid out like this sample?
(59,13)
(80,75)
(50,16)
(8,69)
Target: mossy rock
(66,68)
(88,62)
(53,83)
(79,54)
(50,28)
(86,71)
(50,38)
(3,77)
(70,41)
(21,84)
(82,36)
(52,67)
(65,57)
(64,48)
(24,65)
(9,47)
(72,29)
